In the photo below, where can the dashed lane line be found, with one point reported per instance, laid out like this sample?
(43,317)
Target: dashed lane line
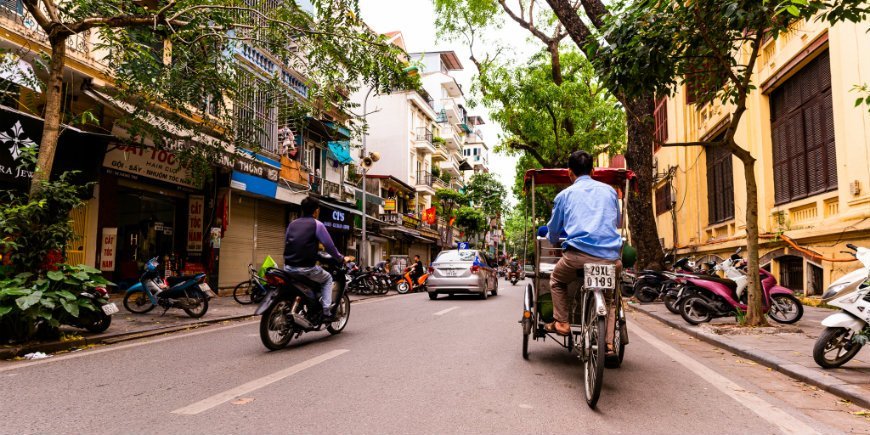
(443,312)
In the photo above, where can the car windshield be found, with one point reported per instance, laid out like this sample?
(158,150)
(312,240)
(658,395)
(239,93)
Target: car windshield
(456,256)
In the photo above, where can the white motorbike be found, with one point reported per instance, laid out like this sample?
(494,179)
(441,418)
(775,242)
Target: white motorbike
(846,331)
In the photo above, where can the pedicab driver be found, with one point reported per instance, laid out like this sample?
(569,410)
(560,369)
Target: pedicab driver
(587,213)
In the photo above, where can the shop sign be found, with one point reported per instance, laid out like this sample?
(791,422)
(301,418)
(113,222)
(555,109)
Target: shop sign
(410,222)
(149,162)
(14,143)
(389,205)
(107,249)
(251,166)
(196,203)
(335,219)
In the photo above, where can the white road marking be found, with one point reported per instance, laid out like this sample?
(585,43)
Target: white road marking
(775,416)
(256,384)
(176,335)
(443,312)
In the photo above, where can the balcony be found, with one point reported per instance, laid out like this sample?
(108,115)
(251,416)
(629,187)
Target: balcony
(452,139)
(451,166)
(453,114)
(331,189)
(316,184)
(423,140)
(425,182)
(78,45)
(441,151)
(438,183)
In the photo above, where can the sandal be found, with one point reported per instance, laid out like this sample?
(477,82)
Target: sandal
(551,328)
(610,350)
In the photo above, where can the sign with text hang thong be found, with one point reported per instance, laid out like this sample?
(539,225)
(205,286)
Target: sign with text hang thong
(196,203)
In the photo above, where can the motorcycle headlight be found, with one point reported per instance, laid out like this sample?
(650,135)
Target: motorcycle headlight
(834,289)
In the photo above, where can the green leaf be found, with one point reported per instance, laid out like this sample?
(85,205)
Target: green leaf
(70,307)
(82,276)
(55,275)
(792,9)
(859,101)
(15,292)
(5,309)
(67,295)
(28,301)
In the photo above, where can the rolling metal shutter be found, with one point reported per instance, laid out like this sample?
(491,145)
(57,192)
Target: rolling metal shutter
(271,226)
(237,246)
(804,151)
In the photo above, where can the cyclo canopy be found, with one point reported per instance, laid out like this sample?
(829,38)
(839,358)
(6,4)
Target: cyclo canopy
(615,177)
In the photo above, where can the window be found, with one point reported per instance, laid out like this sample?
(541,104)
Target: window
(256,115)
(661,118)
(16,6)
(815,279)
(804,152)
(664,200)
(720,184)
(791,272)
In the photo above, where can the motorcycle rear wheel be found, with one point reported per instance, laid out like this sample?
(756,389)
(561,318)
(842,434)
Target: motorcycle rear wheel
(342,315)
(693,313)
(645,292)
(100,322)
(275,331)
(201,306)
(835,339)
(138,302)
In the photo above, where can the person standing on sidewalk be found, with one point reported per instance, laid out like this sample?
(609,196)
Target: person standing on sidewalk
(588,213)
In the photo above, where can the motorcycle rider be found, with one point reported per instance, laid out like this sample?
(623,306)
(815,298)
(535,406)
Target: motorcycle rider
(588,213)
(300,251)
(416,269)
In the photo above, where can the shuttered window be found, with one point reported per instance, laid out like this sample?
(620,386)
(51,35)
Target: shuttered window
(804,151)
(720,184)
(661,118)
(664,200)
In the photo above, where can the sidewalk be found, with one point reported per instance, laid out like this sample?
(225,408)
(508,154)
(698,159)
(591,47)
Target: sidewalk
(128,326)
(785,348)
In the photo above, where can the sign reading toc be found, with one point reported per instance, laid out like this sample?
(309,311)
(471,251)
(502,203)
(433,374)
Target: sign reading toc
(149,162)
(107,249)
(194,223)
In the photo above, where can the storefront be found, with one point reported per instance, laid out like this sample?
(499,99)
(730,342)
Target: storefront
(258,208)
(339,221)
(151,207)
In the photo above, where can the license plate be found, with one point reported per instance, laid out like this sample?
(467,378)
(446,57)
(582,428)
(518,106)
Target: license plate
(207,290)
(110,309)
(449,272)
(600,276)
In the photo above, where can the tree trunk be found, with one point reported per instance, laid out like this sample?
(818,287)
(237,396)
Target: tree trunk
(638,156)
(755,312)
(52,115)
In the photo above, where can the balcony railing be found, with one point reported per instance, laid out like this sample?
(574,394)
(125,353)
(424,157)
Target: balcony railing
(424,178)
(14,10)
(438,183)
(424,134)
(316,184)
(331,189)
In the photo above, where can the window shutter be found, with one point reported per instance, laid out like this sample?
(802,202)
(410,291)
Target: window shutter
(661,122)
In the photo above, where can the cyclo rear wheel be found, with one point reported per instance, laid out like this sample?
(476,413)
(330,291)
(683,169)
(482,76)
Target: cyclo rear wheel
(594,343)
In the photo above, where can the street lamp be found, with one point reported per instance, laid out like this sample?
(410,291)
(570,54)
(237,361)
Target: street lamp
(409,71)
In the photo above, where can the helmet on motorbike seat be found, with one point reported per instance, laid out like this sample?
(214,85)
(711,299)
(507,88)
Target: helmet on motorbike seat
(151,265)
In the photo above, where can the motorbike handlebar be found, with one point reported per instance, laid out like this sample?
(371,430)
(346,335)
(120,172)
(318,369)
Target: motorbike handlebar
(851,246)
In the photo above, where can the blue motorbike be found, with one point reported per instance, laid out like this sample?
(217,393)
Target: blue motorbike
(190,293)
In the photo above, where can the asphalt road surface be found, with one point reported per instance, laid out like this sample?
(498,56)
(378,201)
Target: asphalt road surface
(406,364)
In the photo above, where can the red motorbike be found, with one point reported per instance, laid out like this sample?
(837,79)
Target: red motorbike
(406,284)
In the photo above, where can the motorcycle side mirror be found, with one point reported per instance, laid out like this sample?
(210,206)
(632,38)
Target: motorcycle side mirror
(738,250)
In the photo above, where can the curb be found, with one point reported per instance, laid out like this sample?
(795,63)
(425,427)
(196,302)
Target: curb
(57,346)
(846,391)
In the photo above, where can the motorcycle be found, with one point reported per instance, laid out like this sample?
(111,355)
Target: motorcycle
(406,283)
(190,293)
(98,318)
(513,276)
(842,338)
(676,293)
(719,297)
(651,284)
(292,306)
(360,282)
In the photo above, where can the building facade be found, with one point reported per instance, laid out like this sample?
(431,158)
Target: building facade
(812,147)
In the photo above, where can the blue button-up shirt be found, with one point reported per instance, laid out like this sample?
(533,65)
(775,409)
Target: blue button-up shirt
(587,213)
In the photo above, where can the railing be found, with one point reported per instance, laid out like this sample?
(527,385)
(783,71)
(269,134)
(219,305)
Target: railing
(331,189)
(424,134)
(424,178)
(14,10)
(391,218)
(438,183)
(316,184)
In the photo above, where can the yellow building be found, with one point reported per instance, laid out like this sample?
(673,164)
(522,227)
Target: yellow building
(812,147)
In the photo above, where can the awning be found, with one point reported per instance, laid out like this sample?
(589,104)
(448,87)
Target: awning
(464,165)
(340,207)
(340,151)
(18,71)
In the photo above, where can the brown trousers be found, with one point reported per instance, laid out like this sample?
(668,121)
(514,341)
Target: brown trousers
(565,273)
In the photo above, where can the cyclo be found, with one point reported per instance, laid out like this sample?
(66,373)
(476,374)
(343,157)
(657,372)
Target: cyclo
(588,307)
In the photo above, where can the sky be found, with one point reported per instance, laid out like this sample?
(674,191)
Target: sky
(416,20)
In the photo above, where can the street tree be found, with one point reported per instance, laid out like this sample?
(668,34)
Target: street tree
(713,45)
(554,104)
(485,192)
(174,56)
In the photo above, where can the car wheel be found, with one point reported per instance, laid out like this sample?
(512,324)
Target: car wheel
(495,289)
(484,293)
(433,296)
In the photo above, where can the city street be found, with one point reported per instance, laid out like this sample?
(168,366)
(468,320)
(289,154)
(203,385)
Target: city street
(406,364)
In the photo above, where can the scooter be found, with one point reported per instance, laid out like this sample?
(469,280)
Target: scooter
(651,284)
(292,306)
(513,276)
(845,332)
(406,284)
(717,297)
(98,318)
(674,295)
(190,293)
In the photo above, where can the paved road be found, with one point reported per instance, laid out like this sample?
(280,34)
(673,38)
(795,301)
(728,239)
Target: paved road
(407,365)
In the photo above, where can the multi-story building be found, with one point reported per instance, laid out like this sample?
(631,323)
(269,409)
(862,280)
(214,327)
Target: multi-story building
(812,147)
(476,151)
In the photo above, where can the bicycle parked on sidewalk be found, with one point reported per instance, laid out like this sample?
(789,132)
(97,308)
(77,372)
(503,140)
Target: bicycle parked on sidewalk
(251,291)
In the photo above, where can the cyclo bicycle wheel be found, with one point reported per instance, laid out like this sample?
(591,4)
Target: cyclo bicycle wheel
(594,337)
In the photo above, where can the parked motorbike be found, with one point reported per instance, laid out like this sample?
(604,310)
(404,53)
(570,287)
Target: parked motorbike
(717,297)
(293,307)
(840,341)
(406,283)
(98,318)
(676,294)
(190,293)
(361,282)
(650,284)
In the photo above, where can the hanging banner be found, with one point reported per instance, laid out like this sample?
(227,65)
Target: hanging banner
(389,205)
(107,249)
(196,203)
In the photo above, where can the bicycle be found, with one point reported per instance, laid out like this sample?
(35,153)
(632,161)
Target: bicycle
(251,291)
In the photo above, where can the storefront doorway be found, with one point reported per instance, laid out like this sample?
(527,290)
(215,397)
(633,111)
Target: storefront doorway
(146,229)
